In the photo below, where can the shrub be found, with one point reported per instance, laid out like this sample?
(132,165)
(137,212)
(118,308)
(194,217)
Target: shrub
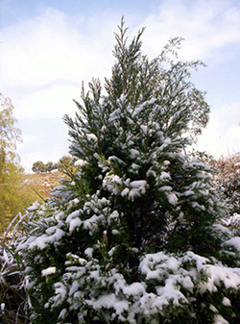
(13,297)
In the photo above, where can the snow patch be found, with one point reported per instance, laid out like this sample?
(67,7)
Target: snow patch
(234,242)
(92,137)
(226,301)
(48,271)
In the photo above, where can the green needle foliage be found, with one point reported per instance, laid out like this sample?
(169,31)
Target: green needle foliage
(135,235)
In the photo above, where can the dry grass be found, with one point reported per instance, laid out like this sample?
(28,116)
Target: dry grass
(30,187)
(42,184)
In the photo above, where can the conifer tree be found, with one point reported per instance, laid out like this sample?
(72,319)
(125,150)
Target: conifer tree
(135,236)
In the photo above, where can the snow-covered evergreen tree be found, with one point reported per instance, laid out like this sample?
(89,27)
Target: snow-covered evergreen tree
(134,237)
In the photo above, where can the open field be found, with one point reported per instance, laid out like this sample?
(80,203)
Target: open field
(42,184)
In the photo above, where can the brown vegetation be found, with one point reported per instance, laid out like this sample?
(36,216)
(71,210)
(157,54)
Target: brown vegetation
(25,190)
(42,183)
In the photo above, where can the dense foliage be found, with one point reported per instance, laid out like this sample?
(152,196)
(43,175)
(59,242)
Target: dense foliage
(9,133)
(15,194)
(136,235)
(227,178)
(13,299)
(13,198)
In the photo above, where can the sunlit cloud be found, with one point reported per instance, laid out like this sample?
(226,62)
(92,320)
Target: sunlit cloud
(206,26)
(51,102)
(222,134)
(47,49)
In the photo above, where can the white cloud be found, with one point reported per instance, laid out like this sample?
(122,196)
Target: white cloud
(51,102)
(49,48)
(222,134)
(207,26)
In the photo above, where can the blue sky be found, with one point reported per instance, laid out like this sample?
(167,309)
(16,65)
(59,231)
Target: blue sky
(47,48)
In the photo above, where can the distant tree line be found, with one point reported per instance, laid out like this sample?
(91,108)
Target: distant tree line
(61,165)
(40,167)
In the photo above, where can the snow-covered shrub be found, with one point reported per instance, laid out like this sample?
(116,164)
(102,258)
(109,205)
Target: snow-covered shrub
(227,177)
(13,305)
(134,236)
(234,224)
